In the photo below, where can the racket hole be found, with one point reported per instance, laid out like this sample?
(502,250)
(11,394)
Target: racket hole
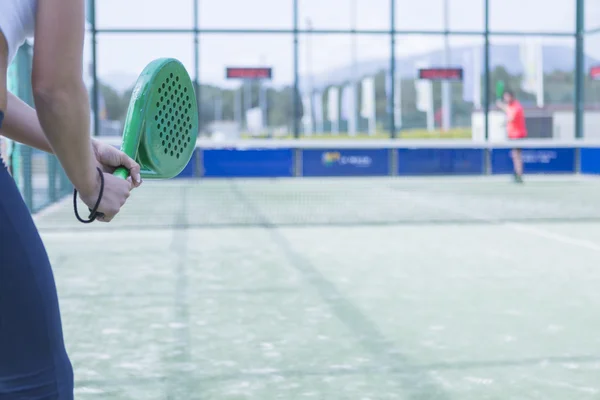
(170,110)
(185,89)
(164,107)
(177,79)
(177,155)
(160,134)
(187,98)
(172,97)
(163,142)
(163,85)
(157,104)
(167,80)
(162,98)
(168,123)
(168,102)
(166,151)
(171,153)
(170,76)
(158,126)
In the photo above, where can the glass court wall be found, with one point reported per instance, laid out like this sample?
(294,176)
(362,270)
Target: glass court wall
(350,68)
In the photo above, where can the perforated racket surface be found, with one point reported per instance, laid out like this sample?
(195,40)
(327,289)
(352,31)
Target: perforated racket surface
(161,126)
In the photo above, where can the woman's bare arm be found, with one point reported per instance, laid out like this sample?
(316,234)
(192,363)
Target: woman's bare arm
(21,124)
(60,95)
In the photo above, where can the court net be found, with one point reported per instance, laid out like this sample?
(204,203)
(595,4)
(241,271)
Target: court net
(197,201)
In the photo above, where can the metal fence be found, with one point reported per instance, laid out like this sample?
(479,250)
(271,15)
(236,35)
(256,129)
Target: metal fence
(391,32)
(42,180)
(39,175)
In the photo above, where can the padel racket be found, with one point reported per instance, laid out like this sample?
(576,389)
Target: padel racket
(161,126)
(499,90)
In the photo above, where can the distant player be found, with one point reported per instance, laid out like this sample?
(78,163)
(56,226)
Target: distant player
(515,129)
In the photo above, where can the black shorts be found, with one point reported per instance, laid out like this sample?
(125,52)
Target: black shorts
(33,361)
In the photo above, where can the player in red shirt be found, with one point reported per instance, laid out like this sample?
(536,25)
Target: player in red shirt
(515,129)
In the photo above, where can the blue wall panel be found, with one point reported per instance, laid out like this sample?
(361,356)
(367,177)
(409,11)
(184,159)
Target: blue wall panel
(345,162)
(590,161)
(440,161)
(190,169)
(248,163)
(543,160)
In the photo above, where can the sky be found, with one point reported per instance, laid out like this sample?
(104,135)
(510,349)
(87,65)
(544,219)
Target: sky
(127,54)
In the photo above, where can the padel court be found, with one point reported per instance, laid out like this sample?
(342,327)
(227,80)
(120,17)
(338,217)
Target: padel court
(465,288)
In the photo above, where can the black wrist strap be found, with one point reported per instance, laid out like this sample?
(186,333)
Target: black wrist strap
(93,211)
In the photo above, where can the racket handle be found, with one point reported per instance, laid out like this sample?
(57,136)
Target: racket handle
(121,172)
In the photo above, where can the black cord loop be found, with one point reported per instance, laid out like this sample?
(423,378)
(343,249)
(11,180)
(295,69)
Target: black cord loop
(94,211)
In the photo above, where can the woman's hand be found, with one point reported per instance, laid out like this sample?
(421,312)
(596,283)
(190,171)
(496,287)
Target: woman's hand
(116,190)
(110,158)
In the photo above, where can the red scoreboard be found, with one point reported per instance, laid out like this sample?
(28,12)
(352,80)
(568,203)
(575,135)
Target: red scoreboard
(441,74)
(249,72)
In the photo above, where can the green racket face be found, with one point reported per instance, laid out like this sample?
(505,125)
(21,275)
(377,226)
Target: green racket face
(162,121)
(499,89)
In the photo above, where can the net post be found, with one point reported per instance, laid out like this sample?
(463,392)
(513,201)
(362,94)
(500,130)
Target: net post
(51,173)
(298,153)
(393,156)
(27,176)
(199,170)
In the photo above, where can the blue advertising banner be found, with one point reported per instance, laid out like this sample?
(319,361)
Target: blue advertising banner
(190,169)
(544,160)
(345,162)
(248,163)
(440,161)
(590,161)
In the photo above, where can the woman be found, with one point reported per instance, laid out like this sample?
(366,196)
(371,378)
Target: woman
(33,360)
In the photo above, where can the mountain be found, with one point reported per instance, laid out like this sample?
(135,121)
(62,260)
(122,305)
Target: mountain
(556,58)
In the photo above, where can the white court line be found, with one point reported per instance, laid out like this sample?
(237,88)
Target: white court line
(511,225)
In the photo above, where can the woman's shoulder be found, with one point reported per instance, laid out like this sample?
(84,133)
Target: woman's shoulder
(17,23)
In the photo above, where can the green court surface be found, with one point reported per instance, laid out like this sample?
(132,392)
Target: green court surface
(378,288)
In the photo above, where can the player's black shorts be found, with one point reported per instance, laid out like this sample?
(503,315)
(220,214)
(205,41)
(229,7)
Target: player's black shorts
(33,361)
